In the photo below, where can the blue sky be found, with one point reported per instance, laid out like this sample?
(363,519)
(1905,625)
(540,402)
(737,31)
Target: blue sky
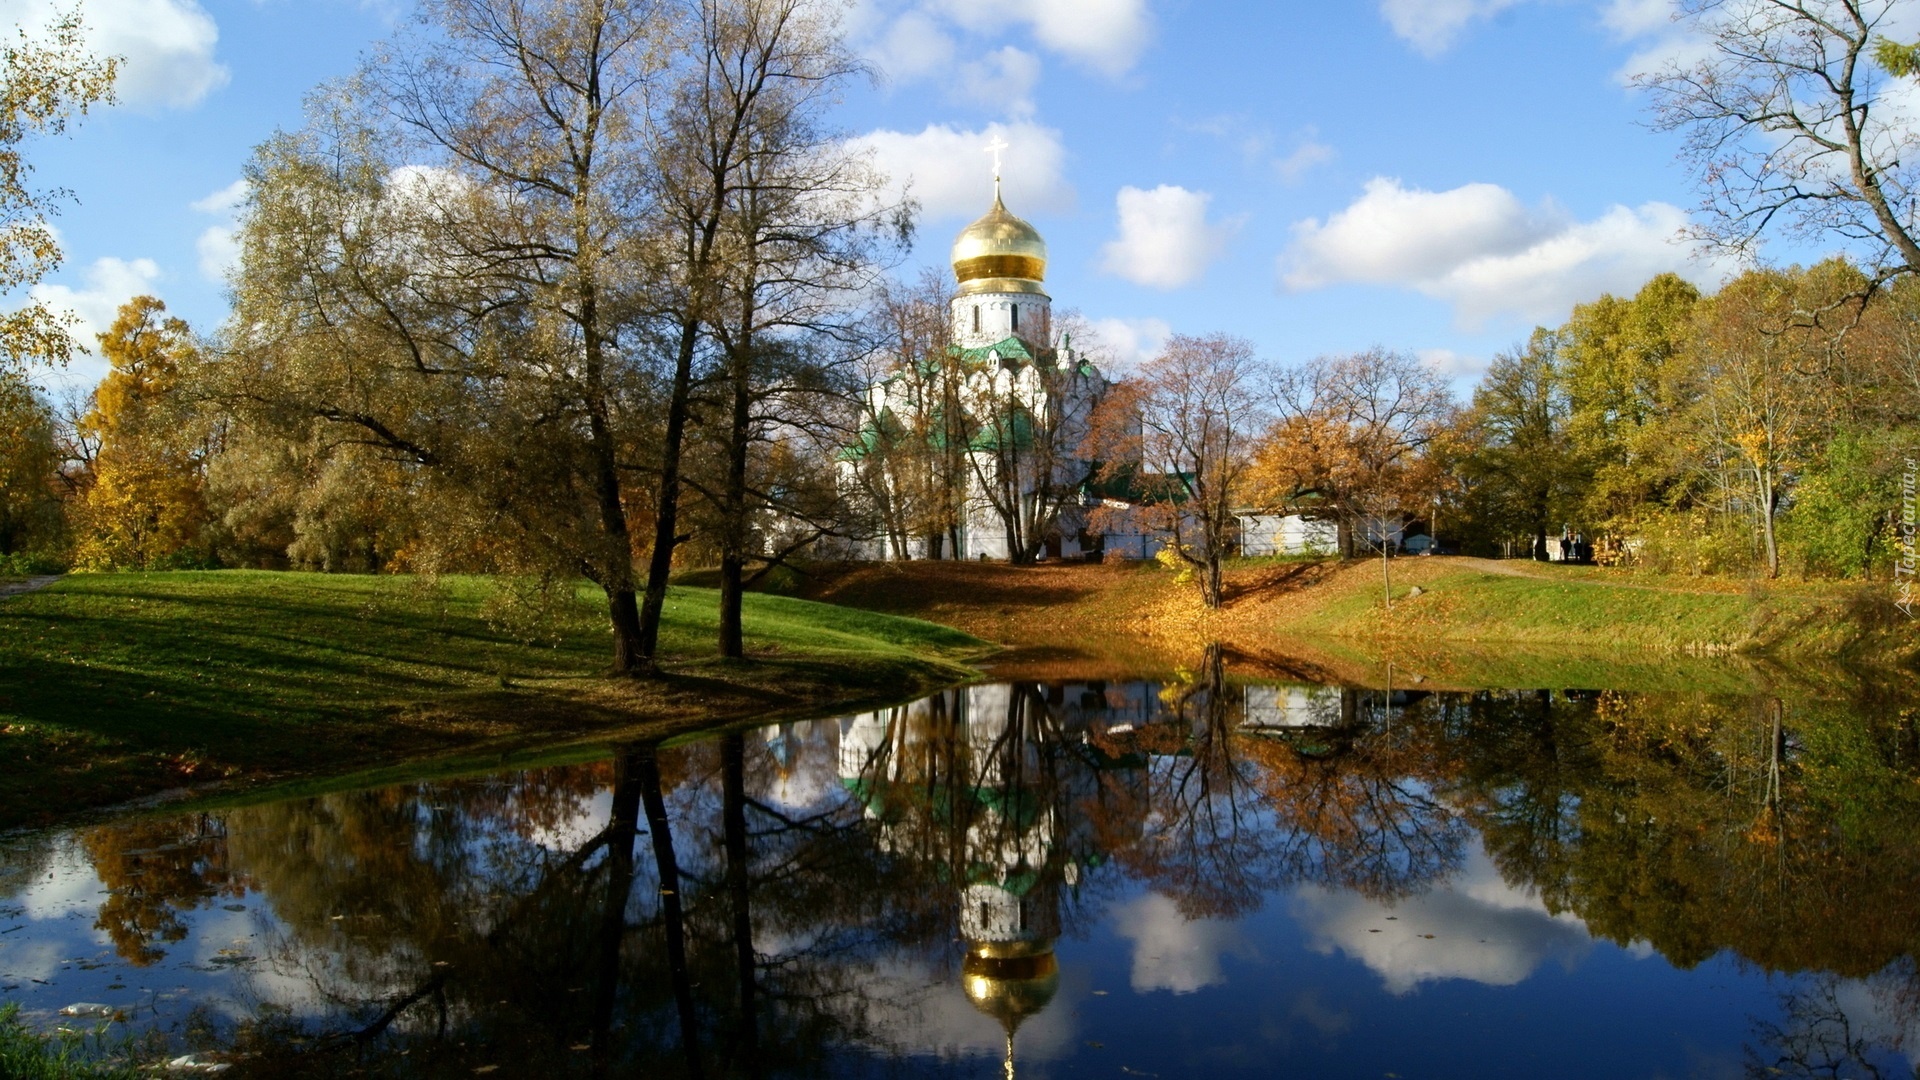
(1436,176)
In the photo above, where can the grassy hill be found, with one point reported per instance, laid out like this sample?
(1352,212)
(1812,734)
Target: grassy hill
(1480,622)
(115,686)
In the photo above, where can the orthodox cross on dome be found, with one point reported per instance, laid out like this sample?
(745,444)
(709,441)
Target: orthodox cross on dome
(998,144)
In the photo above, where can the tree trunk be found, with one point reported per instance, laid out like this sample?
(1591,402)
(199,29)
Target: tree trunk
(629,652)
(623,826)
(733,508)
(1766,522)
(666,518)
(646,766)
(625,617)
(733,810)
(733,551)
(1386,573)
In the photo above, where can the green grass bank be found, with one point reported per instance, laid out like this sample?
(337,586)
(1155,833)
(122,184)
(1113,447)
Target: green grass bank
(1482,602)
(117,686)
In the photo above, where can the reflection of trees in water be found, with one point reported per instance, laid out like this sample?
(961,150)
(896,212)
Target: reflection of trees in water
(750,896)
(1834,1027)
(154,871)
(1778,829)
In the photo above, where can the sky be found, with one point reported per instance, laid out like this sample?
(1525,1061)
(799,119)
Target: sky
(1318,176)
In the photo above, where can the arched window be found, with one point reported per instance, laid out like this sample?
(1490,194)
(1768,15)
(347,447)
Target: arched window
(1016,316)
(976,318)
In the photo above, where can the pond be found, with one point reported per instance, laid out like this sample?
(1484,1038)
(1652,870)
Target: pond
(1182,876)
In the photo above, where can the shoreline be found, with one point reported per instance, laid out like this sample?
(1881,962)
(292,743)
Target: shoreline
(117,688)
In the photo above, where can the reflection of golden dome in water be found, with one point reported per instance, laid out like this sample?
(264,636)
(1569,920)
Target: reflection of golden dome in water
(1011,981)
(999,254)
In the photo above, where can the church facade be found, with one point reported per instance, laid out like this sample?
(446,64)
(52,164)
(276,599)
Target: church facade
(994,428)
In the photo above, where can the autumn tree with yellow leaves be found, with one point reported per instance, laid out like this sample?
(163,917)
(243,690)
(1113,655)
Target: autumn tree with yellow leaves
(145,505)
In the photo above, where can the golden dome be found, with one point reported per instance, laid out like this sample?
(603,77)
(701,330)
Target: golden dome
(999,253)
(1009,982)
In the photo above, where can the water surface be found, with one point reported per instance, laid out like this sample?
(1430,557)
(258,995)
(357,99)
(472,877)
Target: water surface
(1186,876)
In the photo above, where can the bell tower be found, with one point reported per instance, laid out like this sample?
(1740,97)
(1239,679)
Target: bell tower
(1000,262)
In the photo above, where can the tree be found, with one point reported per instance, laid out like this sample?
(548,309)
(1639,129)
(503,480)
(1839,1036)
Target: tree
(1028,418)
(1523,468)
(144,505)
(1787,127)
(44,84)
(802,227)
(1184,428)
(443,264)
(1759,394)
(1624,363)
(30,514)
(1351,442)
(907,458)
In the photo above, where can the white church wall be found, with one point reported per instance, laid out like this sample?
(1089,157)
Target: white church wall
(1286,534)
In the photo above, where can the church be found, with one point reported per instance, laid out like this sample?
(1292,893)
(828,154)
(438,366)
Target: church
(977,454)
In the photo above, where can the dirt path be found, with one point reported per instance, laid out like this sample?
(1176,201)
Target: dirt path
(26,585)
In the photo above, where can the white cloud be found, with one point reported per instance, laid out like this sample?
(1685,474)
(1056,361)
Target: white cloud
(1393,234)
(1122,345)
(911,47)
(1003,79)
(951,174)
(1454,365)
(1172,952)
(1165,240)
(1106,35)
(1477,928)
(1310,154)
(1662,41)
(1432,26)
(1481,249)
(219,244)
(168,46)
(1635,18)
(110,282)
(225,201)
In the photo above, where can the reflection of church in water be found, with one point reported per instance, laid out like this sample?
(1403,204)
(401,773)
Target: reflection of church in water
(993,784)
(1013,793)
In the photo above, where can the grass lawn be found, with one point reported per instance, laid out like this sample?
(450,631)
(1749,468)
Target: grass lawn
(1477,622)
(117,685)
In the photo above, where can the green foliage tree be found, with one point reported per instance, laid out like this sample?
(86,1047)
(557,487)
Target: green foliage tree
(1622,362)
(441,267)
(30,512)
(1523,469)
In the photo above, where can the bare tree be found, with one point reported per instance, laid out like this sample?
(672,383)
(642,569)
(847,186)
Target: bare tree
(1787,129)
(1351,442)
(1185,426)
(1027,417)
(803,227)
(908,457)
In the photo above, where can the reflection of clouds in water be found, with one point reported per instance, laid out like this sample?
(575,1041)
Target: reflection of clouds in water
(34,958)
(917,1011)
(1483,930)
(570,835)
(1876,1015)
(67,887)
(1172,952)
(65,893)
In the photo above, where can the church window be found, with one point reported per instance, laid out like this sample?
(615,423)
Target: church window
(976,318)
(1016,316)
